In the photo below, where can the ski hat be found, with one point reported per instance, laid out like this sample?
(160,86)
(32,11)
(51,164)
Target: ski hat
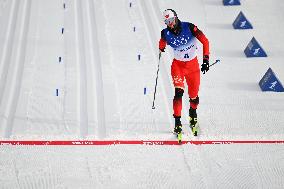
(169,16)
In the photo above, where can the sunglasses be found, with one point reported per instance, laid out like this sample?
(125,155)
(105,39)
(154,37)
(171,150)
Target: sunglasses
(170,20)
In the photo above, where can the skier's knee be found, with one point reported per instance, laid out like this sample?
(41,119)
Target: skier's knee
(178,93)
(195,100)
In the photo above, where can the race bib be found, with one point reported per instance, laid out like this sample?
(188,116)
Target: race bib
(186,52)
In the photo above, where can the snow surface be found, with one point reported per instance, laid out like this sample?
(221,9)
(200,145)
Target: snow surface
(101,96)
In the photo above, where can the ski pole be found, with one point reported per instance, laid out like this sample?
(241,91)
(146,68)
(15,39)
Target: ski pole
(153,106)
(214,62)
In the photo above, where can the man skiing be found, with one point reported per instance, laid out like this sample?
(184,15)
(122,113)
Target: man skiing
(182,37)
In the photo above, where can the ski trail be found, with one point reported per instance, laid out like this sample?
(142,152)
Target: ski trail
(96,66)
(8,47)
(128,74)
(5,61)
(137,24)
(17,70)
(91,90)
(35,47)
(40,110)
(71,73)
(110,87)
(81,65)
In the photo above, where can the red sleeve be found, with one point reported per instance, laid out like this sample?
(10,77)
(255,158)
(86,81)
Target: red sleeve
(162,44)
(203,39)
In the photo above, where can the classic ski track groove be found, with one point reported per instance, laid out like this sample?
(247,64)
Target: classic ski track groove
(97,68)
(8,48)
(17,71)
(81,66)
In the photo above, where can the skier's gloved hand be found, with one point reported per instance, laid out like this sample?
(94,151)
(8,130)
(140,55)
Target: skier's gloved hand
(162,45)
(205,65)
(162,50)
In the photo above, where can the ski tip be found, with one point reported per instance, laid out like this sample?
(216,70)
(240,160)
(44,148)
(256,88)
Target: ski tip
(179,138)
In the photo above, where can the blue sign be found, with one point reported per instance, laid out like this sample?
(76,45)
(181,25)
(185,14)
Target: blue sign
(241,22)
(270,82)
(253,49)
(231,2)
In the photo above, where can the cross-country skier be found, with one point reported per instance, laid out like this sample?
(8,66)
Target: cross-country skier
(182,37)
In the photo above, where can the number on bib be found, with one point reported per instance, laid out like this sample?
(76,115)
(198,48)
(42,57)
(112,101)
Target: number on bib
(186,56)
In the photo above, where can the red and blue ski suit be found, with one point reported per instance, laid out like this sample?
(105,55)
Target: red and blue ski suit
(183,40)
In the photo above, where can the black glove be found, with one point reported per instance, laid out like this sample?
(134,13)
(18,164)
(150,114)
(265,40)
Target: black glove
(205,65)
(162,50)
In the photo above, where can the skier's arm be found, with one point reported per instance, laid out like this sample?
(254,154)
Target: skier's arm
(162,42)
(201,37)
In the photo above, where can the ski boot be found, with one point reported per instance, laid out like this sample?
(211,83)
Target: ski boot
(178,128)
(193,121)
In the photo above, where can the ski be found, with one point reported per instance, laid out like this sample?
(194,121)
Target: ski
(193,123)
(194,130)
(179,136)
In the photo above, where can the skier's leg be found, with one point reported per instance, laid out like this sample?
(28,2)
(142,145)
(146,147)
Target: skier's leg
(193,88)
(194,101)
(178,78)
(177,102)
(193,82)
